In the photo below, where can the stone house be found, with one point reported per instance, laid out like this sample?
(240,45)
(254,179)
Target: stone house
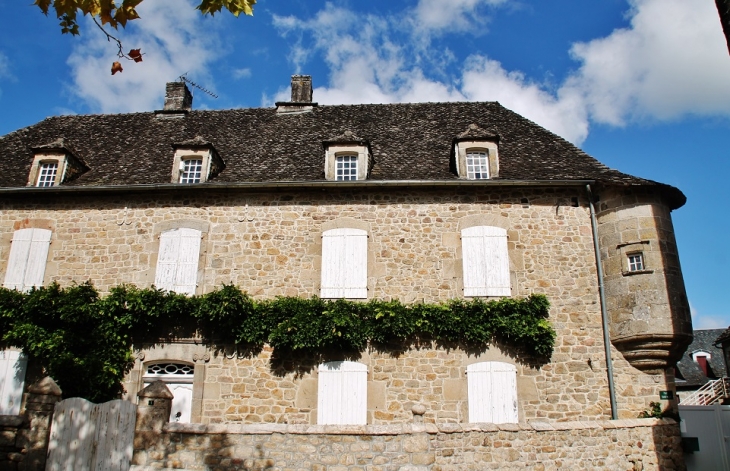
(424,202)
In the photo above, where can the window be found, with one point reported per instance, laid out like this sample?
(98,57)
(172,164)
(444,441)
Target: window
(177,260)
(485,261)
(492,392)
(12,381)
(195,161)
(47,174)
(342,393)
(636,261)
(178,377)
(344,263)
(191,170)
(347,158)
(27,261)
(477,164)
(346,167)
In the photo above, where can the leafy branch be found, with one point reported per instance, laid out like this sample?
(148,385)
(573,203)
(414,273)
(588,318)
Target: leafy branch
(84,341)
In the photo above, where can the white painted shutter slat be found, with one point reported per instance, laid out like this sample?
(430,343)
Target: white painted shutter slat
(342,393)
(167,260)
(18,259)
(177,261)
(12,381)
(37,258)
(492,389)
(344,263)
(186,276)
(485,261)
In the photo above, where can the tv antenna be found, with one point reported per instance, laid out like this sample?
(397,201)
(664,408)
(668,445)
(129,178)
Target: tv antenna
(183,78)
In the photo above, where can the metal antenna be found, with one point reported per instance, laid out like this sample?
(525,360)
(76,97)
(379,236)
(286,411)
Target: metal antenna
(183,78)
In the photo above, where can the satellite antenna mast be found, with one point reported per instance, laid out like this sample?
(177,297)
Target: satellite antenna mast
(184,79)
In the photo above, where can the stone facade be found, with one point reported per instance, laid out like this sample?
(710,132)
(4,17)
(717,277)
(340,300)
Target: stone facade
(640,444)
(270,245)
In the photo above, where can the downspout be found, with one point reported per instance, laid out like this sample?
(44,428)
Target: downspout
(604,312)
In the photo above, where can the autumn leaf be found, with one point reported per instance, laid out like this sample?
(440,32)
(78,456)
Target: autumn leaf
(135,55)
(117,67)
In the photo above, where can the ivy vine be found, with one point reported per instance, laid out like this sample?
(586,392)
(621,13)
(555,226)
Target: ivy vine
(85,341)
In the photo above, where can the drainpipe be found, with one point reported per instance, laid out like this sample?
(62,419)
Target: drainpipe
(604,312)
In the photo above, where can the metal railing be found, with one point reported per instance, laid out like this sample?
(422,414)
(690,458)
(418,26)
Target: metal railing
(710,393)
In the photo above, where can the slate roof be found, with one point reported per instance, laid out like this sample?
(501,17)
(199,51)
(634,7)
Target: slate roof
(408,142)
(690,374)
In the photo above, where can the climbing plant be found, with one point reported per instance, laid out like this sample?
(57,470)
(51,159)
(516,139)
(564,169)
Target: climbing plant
(85,341)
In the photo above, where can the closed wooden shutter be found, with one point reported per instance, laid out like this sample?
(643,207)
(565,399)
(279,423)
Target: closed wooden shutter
(344,263)
(177,261)
(485,261)
(342,393)
(492,389)
(27,260)
(12,381)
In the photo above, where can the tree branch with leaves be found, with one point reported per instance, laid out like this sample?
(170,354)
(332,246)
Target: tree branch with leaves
(118,13)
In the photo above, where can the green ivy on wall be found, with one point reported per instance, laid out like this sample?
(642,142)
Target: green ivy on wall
(85,341)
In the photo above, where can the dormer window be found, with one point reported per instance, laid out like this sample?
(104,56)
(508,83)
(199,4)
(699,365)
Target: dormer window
(47,173)
(347,157)
(191,170)
(54,164)
(477,164)
(195,161)
(475,155)
(346,167)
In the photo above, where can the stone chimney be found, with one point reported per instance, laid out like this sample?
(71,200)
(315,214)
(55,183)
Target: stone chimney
(301,96)
(178,97)
(301,89)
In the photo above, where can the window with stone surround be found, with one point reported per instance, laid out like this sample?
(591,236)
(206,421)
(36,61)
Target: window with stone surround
(191,170)
(47,174)
(177,260)
(27,260)
(476,159)
(347,157)
(178,377)
(195,161)
(635,261)
(342,393)
(346,167)
(485,261)
(492,392)
(344,263)
(477,164)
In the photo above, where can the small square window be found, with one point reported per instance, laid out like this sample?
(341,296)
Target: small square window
(47,174)
(477,165)
(346,167)
(636,261)
(191,171)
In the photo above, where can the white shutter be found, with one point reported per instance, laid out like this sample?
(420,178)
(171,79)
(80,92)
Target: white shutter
(485,261)
(177,260)
(12,381)
(27,260)
(344,263)
(342,393)
(492,389)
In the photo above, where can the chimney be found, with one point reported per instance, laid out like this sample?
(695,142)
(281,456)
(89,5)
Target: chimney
(301,89)
(178,97)
(301,96)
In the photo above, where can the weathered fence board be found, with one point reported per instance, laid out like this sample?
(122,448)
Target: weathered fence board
(91,437)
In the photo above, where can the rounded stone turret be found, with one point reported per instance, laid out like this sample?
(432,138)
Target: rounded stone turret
(646,300)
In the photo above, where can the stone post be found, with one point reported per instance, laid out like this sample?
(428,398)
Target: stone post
(153,410)
(39,405)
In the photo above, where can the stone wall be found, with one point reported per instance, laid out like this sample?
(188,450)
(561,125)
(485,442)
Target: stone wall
(641,444)
(270,245)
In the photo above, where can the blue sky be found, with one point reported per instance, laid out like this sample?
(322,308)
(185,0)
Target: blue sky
(642,85)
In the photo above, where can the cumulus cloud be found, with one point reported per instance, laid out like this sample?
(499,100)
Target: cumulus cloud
(671,61)
(172,37)
(241,73)
(704,321)
(436,16)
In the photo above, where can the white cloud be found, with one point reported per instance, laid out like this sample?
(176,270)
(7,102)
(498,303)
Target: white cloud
(453,15)
(703,321)
(241,73)
(670,62)
(4,65)
(174,41)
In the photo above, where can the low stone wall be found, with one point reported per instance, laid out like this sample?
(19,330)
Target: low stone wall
(639,444)
(10,453)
